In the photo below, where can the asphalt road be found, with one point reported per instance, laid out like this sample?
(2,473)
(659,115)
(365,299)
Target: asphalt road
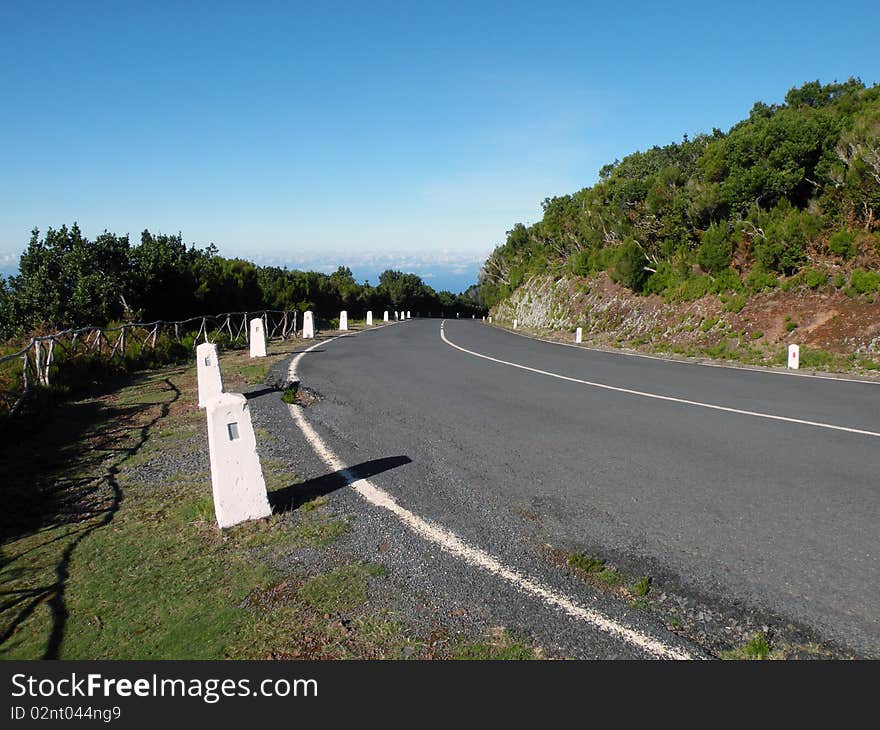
(771,514)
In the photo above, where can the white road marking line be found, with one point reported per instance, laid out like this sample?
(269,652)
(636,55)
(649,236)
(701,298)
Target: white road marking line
(725,366)
(657,396)
(474,556)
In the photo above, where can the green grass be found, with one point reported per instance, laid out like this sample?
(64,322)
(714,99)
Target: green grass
(596,567)
(313,504)
(254,373)
(498,645)
(342,589)
(610,577)
(642,586)
(758,647)
(288,395)
(146,573)
(586,563)
(736,303)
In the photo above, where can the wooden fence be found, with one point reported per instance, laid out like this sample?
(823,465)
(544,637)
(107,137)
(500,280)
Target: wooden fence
(42,356)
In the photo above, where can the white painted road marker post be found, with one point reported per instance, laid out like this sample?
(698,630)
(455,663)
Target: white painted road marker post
(258,338)
(579,335)
(794,356)
(385,316)
(408,314)
(208,371)
(343,320)
(308,325)
(236,477)
(515,323)
(490,319)
(369,319)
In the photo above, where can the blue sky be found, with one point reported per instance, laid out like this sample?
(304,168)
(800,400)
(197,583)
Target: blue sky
(374,134)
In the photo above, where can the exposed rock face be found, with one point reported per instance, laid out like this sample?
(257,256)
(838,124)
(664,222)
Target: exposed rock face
(824,319)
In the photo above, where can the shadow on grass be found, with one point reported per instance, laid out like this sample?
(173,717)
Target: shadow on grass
(90,441)
(292,497)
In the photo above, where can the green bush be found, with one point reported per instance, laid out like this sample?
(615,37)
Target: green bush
(693,288)
(815,278)
(728,280)
(664,279)
(787,233)
(843,243)
(813,358)
(715,249)
(865,282)
(760,279)
(629,266)
(735,304)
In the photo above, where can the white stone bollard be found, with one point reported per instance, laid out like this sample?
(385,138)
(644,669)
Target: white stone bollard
(308,325)
(473,316)
(515,323)
(490,319)
(794,356)
(236,477)
(408,315)
(385,316)
(208,371)
(369,319)
(343,320)
(258,338)
(579,335)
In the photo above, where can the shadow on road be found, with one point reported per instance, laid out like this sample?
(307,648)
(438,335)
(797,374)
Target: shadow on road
(292,497)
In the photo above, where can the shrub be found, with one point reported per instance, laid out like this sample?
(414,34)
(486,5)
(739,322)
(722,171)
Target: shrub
(760,279)
(693,288)
(288,395)
(815,278)
(813,358)
(736,303)
(865,282)
(715,249)
(579,263)
(843,243)
(758,647)
(728,280)
(665,278)
(586,563)
(787,233)
(629,266)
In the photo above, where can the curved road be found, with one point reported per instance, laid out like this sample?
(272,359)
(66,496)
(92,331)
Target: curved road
(757,487)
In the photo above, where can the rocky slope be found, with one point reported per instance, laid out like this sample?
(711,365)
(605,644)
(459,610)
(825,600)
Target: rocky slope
(835,330)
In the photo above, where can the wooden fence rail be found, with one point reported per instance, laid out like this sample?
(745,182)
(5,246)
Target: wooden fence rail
(131,340)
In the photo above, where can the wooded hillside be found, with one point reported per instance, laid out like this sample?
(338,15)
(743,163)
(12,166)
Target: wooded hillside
(792,193)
